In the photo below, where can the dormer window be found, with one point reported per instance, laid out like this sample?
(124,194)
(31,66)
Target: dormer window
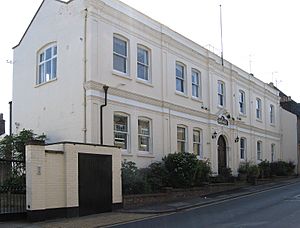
(47,64)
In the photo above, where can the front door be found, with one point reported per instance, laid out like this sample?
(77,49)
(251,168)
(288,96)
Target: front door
(222,163)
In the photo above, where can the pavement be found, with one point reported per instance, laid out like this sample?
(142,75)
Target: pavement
(126,215)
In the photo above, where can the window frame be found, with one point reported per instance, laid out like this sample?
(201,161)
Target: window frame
(243,150)
(148,65)
(182,79)
(242,102)
(221,94)
(144,135)
(185,140)
(121,114)
(54,56)
(272,114)
(197,85)
(124,39)
(259,150)
(258,109)
(199,153)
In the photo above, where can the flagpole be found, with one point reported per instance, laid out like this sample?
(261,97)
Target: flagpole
(221,36)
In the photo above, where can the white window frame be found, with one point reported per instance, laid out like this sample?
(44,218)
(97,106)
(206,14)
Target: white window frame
(42,64)
(199,153)
(196,84)
(242,102)
(272,114)
(273,151)
(259,150)
(182,79)
(243,151)
(145,65)
(125,57)
(122,132)
(149,136)
(221,93)
(258,109)
(185,140)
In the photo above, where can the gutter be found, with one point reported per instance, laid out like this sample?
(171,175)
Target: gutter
(84,77)
(105,87)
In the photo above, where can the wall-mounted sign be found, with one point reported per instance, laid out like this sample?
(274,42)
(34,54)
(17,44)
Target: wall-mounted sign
(222,120)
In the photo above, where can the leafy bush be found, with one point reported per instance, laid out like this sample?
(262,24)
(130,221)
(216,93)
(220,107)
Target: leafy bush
(250,171)
(265,169)
(181,169)
(225,176)
(203,172)
(133,180)
(157,176)
(281,168)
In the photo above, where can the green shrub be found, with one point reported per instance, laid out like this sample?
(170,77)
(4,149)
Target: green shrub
(203,172)
(248,169)
(264,169)
(181,169)
(156,176)
(225,176)
(282,168)
(133,179)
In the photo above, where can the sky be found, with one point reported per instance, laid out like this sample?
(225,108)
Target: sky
(259,36)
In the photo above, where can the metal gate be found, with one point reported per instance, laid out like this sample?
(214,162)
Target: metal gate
(95,183)
(12,189)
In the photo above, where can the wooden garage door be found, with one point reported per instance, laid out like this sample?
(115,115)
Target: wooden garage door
(95,183)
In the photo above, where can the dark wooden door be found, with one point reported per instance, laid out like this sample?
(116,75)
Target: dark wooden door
(222,163)
(95,183)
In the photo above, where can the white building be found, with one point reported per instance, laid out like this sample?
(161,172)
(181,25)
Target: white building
(166,93)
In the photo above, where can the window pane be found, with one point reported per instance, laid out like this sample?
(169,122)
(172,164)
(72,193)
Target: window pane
(48,70)
(179,71)
(121,140)
(120,46)
(144,127)
(142,56)
(142,72)
(120,123)
(195,78)
(196,149)
(119,63)
(41,78)
(55,50)
(180,147)
(179,85)
(195,91)
(54,62)
(42,57)
(48,53)
(196,136)
(144,143)
(180,133)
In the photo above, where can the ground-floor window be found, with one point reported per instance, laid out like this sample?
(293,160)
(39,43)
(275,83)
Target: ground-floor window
(121,133)
(242,148)
(259,150)
(144,134)
(197,142)
(181,139)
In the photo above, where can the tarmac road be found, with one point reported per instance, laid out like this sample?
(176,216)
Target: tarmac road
(278,207)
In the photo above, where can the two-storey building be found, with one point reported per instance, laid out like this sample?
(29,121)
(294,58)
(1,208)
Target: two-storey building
(166,93)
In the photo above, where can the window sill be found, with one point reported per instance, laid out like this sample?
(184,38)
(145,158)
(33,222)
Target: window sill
(197,99)
(181,94)
(145,154)
(126,154)
(221,107)
(44,83)
(259,120)
(272,125)
(144,82)
(242,115)
(122,75)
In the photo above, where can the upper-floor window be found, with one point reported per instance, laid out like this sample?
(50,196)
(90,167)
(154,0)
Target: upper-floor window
(272,152)
(221,93)
(143,63)
(144,134)
(242,148)
(197,142)
(242,105)
(196,86)
(47,61)
(120,53)
(180,77)
(272,114)
(121,132)
(259,150)
(258,108)
(181,139)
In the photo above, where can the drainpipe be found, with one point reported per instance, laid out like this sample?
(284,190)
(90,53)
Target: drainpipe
(10,117)
(105,87)
(84,76)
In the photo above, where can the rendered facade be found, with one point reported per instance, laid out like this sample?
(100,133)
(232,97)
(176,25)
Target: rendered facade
(166,93)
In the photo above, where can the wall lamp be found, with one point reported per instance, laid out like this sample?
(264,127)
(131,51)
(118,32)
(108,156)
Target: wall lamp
(237,139)
(214,135)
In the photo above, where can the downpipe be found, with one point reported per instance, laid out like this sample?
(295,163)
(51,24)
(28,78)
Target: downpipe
(105,88)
